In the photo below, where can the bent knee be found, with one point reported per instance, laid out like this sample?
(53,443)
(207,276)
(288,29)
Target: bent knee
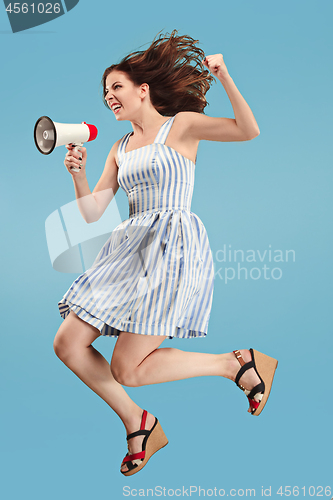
(64,342)
(72,335)
(124,375)
(60,345)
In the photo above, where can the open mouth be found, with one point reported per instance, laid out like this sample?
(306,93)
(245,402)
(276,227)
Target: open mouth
(115,107)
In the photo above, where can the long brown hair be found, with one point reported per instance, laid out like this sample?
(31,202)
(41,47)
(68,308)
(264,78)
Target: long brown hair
(172,67)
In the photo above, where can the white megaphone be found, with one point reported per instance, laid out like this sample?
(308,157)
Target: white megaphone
(49,135)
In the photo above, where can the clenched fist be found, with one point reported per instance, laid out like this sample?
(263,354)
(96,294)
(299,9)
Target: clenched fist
(216,65)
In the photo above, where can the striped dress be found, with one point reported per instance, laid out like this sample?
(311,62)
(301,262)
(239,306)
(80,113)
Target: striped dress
(155,274)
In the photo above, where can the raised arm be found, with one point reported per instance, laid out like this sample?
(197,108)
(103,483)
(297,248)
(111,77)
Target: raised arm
(92,205)
(241,128)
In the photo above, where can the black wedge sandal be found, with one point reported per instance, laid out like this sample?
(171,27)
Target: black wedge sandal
(264,367)
(154,440)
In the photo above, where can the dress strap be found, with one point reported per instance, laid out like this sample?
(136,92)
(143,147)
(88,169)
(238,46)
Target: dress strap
(164,131)
(122,146)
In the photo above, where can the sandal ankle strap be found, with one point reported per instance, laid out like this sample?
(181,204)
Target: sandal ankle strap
(244,367)
(143,420)
(142,431)
(242,370)
(239,357)
(137,433)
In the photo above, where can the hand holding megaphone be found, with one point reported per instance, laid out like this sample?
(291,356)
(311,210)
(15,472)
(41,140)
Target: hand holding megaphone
(49,135)
(75,161)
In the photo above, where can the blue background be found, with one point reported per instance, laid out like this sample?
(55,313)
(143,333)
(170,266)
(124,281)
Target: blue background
(59,440)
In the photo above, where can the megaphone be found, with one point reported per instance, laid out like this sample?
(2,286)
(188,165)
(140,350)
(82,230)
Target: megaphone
(49,135)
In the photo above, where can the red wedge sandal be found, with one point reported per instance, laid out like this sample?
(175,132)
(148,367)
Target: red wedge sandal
(265,367)
(154,440)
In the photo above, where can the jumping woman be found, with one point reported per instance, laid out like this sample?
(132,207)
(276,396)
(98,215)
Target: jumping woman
(153,278)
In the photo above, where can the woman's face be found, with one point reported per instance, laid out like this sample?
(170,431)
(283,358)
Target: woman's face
(122,96)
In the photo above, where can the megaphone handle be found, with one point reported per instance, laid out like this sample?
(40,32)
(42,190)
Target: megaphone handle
(76,148)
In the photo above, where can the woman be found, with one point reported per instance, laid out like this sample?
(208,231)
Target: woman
(153,279)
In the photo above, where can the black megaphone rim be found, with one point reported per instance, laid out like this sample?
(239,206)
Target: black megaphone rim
(55,135)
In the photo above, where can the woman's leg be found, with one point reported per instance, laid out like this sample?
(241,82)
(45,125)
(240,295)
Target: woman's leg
(72,344)
(136,361)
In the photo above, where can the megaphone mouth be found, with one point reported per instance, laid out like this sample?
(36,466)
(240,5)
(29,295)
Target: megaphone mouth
(44,144)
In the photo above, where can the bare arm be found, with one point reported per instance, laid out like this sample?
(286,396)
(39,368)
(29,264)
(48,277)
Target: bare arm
(92,205)
(241,128)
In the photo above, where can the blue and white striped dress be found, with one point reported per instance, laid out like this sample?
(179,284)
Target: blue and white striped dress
(155,274)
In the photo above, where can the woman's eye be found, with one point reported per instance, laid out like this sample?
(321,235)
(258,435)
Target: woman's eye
(114,88)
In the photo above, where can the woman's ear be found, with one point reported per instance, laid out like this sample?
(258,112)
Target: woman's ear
(144,90)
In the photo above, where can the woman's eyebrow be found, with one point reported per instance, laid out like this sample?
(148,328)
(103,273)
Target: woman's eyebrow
(107,88)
